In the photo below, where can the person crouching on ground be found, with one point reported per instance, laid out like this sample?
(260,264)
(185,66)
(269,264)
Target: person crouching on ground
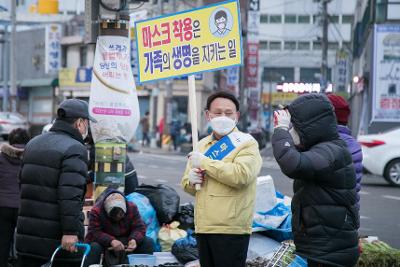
(116,223)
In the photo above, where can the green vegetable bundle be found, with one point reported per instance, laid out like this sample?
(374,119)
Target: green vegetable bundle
(378,254)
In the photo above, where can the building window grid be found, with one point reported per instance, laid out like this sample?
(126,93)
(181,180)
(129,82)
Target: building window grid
(290,18)
(333,45)
(334,19)
(317,45)
(303,19)
(264,18)
(303,45)
(275,45)
(289,45)
(347,19)
(263,45)
(307,19)
(275,19)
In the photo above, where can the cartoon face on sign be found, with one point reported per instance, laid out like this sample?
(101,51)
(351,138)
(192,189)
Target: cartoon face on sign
(221,22)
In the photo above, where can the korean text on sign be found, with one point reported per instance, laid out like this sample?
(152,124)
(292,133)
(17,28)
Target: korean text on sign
(190,42)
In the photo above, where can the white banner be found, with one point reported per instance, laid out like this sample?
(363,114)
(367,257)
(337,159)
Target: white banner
(386,73)
(52,48)
(113,98)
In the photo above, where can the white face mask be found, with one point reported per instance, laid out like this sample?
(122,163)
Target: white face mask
(222,125)
(84,135)
(295,136)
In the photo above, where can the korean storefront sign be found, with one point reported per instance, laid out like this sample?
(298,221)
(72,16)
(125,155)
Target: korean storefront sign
(52,48)
(386,74)
(189,42)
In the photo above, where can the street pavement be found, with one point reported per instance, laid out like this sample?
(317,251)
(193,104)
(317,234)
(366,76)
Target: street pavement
(380,202)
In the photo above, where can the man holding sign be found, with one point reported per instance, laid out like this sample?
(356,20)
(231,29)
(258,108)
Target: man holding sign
(225,164)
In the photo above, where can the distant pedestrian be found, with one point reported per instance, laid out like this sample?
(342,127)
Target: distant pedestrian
(308,149)
(161,131)
(342,111)
(226,164)
(10,166)
(53,185)
(175,131)
(145,123)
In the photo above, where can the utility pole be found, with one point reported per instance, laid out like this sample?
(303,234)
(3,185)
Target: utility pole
(168,87)
(242,80)
(13,65)
(5,62)
(324,62)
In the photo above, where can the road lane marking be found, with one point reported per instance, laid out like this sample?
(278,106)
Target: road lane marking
(161,181)
(364,217)
(363,193)
(391,197)
(142,177)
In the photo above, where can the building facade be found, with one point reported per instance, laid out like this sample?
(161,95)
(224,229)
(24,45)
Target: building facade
(291,49)
(290,39)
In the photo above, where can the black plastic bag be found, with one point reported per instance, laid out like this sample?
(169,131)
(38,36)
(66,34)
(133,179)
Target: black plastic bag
(185,249)
(163,198)
(185,216)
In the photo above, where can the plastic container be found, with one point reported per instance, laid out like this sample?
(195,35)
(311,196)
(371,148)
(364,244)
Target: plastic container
(144,259)
(265,194)
(164,257)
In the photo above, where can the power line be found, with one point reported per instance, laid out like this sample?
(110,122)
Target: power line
(341,36)
(137,7)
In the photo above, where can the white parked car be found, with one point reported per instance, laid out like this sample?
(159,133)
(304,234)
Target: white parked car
(381,154)
(10,121)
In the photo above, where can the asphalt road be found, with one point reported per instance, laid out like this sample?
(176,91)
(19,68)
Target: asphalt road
(380,202)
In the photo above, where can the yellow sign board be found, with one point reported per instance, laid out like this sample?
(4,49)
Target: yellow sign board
(279,98)
(185,43)
(74,78)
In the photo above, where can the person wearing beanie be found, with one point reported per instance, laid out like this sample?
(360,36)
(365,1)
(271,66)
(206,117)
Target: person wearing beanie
(116,229)
(342,111)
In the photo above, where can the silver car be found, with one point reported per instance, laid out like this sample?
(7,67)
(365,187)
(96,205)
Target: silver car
(10,121)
